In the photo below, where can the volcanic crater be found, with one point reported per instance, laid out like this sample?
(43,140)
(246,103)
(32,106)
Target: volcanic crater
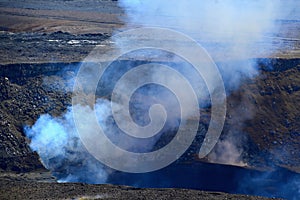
(42,55)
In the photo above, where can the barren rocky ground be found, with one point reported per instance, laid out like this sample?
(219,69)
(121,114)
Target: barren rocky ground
(42,46)
(11,189)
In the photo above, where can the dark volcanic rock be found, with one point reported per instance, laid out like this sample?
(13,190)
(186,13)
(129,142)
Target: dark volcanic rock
(35,190)
(29,90)
(42,47)
(24,98)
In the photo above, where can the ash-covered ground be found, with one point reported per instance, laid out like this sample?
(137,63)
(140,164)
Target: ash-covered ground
(41,50)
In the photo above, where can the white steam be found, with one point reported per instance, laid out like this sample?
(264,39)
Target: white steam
(60,149)
(227,152)
(230,30)
(233,32)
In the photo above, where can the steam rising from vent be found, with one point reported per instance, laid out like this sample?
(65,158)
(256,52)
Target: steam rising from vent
(227,152)
(60,148)
(231,31)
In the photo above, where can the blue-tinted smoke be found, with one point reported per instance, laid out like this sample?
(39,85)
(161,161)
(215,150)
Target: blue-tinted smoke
(280,183)
(231,31)
(234,33)
(56,141)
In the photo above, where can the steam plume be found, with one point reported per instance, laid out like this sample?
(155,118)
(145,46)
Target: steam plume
(230,30)
(233,32)
(60,149)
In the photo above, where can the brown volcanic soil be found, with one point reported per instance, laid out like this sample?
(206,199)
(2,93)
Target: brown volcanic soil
(270,100)
(270,105)
(275,126)
(91,22)
(10,189)
(36,35)
(67,16)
